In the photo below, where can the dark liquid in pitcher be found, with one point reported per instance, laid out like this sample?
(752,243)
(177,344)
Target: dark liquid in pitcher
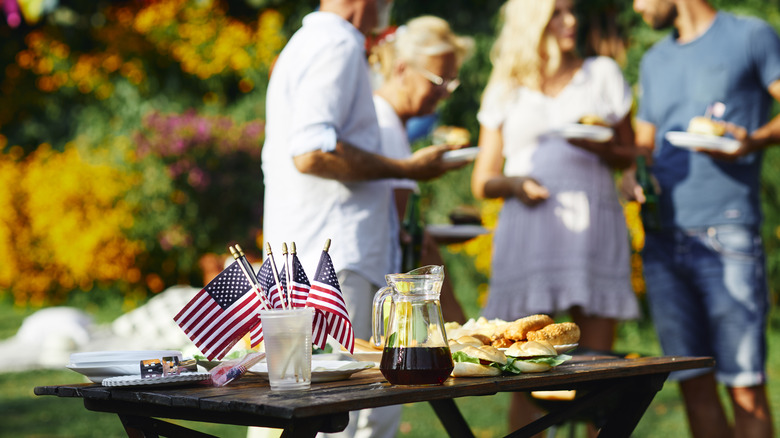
(416,365)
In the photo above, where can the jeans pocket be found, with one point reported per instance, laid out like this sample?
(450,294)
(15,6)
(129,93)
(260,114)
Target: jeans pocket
(736,242)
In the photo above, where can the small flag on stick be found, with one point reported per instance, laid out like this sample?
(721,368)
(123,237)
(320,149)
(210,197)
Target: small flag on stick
(249,273)
(276,289)
(325,294)
(268,283)
(221,313)
(300,282)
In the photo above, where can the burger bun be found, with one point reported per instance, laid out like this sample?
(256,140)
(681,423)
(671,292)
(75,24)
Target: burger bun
(470,340)
(531,349)
(468,369)
(706,126)
(531,367)
(486,352)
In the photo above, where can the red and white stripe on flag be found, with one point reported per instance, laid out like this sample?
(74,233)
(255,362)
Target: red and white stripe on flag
(341,330)
(319,330)
(256,335)
(221,313)
(329,300)
(215,330)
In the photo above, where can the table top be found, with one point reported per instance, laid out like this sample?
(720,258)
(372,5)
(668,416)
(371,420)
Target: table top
(251,395)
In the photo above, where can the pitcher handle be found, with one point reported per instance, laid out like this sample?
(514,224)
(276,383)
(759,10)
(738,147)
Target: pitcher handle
(377,315)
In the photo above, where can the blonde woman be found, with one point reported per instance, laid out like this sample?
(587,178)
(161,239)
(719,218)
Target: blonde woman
(418,65)
(561,243)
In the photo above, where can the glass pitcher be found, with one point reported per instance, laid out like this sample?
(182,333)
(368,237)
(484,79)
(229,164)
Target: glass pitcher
(416,351)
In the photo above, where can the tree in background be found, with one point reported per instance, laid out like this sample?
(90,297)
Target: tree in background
(168,95)
(108,77)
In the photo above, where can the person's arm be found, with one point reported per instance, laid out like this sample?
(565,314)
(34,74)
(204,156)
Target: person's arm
(769,134)
(488,179)
(619,151)
(762,138)
(349,163)
(645,143)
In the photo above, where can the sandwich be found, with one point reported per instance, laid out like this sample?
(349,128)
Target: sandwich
(463,342)
(481,361)
(465,215)
(532,357)
(594,120)
(706,126)
(452,135)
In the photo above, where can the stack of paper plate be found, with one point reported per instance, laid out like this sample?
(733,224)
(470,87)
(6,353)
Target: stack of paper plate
(101,365)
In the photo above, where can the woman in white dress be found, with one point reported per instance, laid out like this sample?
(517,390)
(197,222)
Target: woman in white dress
(561,243)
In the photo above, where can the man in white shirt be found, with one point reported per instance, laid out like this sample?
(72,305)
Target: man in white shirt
(324,175)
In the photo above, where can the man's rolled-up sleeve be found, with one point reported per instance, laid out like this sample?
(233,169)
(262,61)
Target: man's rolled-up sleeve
(324,99)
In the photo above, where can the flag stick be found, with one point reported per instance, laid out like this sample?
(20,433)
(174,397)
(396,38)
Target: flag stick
(275,272)
(327,246)
(286,255)
(252,278)
(248,265)
(292,265)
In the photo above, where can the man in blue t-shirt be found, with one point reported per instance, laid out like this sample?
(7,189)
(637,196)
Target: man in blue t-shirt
(704,268)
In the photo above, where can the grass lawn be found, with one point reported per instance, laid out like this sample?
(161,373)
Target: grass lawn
(22,414)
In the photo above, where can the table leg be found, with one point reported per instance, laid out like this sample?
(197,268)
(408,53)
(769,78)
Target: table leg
(572,408)
(633,396)
(141,421)
(146,427)
(633,404)
(309,427)
(451,418)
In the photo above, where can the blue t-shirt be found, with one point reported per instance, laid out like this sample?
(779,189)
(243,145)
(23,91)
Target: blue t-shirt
(734,62)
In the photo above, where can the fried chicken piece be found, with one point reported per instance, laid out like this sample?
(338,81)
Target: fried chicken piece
(501,342)
(519,329)
(557,334)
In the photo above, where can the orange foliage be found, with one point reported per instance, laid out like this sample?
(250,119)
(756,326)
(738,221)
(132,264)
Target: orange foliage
(64,225)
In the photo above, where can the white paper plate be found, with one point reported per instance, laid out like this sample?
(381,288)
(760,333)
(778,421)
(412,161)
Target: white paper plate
(368,356)
(137,356)
(687,140)
(565,348)
(98,373)
(323,371)
(584,132)
(156,381)
(456,231)
(465,154)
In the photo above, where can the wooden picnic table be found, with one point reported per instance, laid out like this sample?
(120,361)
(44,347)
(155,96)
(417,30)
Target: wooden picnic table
(624,387)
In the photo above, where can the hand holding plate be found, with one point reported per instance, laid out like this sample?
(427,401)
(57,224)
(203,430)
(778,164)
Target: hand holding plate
(740,134)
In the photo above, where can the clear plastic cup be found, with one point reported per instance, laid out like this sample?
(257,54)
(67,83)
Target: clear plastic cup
(287,339)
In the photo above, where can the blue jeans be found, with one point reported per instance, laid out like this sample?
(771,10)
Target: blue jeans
(708,296)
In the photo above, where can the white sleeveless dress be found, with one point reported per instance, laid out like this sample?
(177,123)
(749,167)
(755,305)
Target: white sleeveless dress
(573,249)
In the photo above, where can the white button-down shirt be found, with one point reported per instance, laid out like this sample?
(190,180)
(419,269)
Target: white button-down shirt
(319,93)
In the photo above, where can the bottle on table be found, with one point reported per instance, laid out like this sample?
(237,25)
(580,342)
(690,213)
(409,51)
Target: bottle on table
(651,209)
(411,251)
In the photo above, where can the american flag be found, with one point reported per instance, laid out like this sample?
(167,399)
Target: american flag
(256,335)
(266,277)
(221,313)
(325,295)
(300,283)
(300,294)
